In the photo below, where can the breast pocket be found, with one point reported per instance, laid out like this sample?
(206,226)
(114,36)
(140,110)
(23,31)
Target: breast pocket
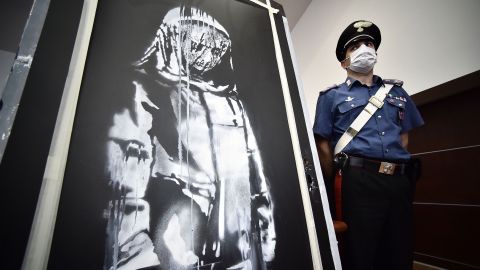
(395,109)
(347,111)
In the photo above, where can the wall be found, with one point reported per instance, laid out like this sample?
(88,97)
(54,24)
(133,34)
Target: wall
(294,10)
(447,205)
(424,42)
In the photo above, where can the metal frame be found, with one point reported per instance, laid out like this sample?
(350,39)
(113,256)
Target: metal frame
(21,67)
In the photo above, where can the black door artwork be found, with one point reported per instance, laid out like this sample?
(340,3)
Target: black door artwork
(181,156)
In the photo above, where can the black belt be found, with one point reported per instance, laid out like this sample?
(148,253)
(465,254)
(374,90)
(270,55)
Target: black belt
(378,166)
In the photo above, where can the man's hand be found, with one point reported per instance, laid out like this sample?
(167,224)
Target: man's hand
(404,139)
(325,155)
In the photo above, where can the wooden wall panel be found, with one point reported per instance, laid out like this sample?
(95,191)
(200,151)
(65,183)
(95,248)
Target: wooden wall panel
(449,123)
(447,200)
(448,234)
(450,177)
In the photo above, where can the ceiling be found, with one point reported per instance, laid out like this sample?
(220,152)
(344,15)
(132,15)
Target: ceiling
(294,9)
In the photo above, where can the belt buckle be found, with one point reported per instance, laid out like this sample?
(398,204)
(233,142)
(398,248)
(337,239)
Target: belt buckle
(387,168)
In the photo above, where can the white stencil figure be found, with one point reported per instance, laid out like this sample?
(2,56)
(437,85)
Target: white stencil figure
(189,187)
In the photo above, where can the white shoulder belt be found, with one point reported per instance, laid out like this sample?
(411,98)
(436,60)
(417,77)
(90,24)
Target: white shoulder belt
(374,103)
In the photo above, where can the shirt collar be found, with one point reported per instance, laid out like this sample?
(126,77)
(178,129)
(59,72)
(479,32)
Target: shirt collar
(377,80)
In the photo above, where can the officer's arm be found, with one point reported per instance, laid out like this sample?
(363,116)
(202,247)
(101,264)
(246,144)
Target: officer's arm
(325,155)
(404,139)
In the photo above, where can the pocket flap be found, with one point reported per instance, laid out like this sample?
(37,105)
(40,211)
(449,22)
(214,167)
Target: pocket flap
(346,106)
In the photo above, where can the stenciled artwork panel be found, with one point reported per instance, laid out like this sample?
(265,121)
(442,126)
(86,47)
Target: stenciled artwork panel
(181,156)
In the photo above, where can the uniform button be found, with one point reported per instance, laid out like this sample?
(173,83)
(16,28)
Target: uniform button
(379,116)
(353,105)
(383,133)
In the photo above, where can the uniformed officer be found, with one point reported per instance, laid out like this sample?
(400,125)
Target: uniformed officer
(377,192)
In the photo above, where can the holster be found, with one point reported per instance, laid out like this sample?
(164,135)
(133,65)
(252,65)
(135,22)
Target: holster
(414,169)
(340,161)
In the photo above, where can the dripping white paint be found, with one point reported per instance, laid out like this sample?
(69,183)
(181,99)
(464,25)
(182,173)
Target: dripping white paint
(190,189)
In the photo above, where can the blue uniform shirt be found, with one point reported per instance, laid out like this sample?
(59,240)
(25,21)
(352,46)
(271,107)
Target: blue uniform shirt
(380,137)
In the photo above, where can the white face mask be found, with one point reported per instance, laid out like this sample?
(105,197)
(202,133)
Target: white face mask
(362,59)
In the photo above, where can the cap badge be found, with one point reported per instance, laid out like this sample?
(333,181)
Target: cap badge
(361,24)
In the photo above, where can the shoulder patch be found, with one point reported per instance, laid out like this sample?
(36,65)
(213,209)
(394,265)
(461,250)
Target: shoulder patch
(393,81)
(329,88)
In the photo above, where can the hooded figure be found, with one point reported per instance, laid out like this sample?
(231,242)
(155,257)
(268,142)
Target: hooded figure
(190,190)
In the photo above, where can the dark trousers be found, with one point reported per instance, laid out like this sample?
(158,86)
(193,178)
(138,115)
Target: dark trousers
(378,211)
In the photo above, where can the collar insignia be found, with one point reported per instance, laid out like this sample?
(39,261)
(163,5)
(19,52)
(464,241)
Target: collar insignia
(392,97)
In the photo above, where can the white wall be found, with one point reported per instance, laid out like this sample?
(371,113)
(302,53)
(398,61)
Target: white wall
(424,42)
(294,10)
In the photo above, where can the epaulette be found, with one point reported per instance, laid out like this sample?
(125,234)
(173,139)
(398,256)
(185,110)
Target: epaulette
(393,81)
(328,89)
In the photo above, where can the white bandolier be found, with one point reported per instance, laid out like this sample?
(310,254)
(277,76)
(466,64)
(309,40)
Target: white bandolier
(374,103)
